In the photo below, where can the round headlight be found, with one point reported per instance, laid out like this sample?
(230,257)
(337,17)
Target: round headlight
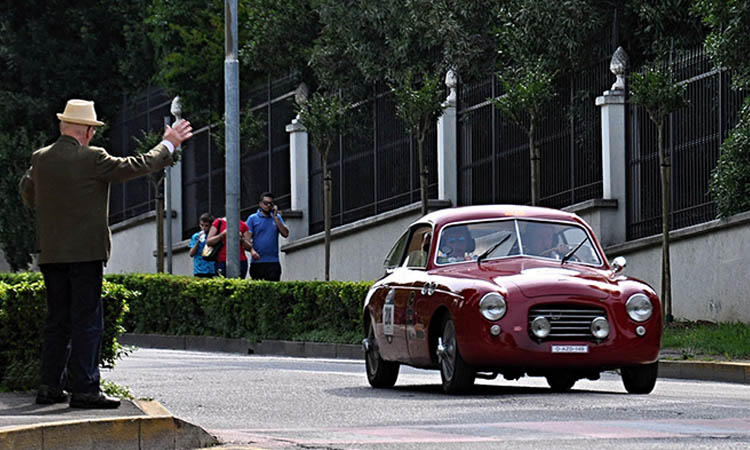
(493,306)
(600,327)
(639,307)
(540,327)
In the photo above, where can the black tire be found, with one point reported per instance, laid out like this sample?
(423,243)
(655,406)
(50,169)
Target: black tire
(640,379)
(380,373)
(457,376)
(561,382)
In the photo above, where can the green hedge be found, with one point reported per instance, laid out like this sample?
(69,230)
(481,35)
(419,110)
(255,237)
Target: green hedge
(23,308)
(166,304)
(256,310)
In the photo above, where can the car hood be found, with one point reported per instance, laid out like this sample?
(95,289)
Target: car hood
(540,279)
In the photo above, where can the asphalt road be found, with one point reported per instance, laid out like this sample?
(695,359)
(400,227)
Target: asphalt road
(276,402)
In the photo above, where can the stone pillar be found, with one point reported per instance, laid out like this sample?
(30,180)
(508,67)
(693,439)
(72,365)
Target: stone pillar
(447,145)
(614,164)
(298,168)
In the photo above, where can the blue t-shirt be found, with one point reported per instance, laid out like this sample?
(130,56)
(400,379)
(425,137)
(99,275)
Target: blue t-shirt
(200,265)
(265,236)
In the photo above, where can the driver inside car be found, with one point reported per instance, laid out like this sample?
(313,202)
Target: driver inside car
(541,239)
(456,244)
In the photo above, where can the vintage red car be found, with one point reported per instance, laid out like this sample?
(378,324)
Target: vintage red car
(514,290)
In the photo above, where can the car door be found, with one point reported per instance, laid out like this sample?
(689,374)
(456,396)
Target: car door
(387,305)
(419,282)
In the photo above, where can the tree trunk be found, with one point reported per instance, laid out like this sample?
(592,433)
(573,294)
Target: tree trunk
(327,213)
(666,277)
(422,169)
(534,156)
(159,226)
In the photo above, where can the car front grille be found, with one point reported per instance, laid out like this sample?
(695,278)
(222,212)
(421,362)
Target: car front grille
(568,322)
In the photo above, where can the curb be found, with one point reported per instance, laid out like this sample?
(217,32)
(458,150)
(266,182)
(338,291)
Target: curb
(157,429)
(730,372)
(244,346)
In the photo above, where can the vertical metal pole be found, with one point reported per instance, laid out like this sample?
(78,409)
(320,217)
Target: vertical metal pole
(232,161)
(168,194)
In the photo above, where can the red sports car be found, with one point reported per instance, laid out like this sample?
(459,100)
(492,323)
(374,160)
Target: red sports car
(514,290)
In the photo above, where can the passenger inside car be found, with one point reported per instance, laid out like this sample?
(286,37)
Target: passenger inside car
(456,244)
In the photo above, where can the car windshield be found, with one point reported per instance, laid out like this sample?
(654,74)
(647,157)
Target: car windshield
(541,239)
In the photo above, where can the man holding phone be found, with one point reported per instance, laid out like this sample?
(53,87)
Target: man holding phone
(265,227)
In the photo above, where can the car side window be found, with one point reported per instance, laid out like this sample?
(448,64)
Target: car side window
(419,247)
(396,255)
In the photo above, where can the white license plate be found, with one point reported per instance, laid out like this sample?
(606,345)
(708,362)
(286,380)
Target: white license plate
(570,349)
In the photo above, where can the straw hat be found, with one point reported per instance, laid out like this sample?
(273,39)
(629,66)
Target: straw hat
(81,112)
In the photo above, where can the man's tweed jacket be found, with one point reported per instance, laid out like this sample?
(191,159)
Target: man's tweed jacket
(68,186)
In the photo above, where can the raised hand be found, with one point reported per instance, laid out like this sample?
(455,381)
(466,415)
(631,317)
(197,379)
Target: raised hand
(181,131)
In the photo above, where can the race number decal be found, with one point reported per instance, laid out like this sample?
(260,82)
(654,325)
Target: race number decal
(388,319)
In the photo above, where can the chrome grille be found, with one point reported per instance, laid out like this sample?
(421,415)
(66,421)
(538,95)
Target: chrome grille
(568,322)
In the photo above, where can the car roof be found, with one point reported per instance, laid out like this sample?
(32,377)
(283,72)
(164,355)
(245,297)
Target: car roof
(465,213)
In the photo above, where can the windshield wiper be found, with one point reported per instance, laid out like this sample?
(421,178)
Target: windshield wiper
(572,252)
(493,248)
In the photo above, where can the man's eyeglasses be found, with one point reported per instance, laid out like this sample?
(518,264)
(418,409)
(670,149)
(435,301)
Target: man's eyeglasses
(454,239)
(266,203)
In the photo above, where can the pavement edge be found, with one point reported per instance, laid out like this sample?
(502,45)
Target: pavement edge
(156,429)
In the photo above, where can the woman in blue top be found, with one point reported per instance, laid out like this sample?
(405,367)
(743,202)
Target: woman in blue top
(201,267)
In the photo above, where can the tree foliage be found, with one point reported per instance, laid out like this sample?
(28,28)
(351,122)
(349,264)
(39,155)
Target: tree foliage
(656,90)
(728,45)
(51,52)
(730,180)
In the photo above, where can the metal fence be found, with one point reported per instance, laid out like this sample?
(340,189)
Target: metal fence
(264,167)
(693,137)
(374,167)
(142,113)
(494,165)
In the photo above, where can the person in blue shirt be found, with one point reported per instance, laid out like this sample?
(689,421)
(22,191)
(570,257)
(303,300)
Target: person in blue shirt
(265,227)
(201,267)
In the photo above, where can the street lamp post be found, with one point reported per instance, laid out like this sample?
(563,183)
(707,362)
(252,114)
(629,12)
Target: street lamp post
(232,161)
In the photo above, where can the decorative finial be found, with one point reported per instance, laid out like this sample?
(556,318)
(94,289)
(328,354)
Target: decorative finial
(176,108)
(301,94)
(618,66)
(451,81)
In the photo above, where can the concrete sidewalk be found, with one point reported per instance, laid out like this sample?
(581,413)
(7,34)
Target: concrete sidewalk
(134,425)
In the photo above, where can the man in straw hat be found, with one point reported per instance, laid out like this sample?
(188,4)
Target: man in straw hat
(68,186)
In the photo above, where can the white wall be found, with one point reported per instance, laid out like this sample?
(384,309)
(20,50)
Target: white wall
(357,250)
(709,268)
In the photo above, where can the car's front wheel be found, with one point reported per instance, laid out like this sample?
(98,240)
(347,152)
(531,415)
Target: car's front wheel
(640,379)
(380,373)
(457,376)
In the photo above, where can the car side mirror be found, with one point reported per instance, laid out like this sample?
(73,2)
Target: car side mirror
(618,265)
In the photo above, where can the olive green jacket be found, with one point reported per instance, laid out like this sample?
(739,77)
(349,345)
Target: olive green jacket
(68,186)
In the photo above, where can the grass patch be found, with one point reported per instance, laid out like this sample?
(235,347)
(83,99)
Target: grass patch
(704,340)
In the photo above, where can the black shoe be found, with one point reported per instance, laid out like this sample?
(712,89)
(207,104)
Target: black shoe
(97,400)
(48,395)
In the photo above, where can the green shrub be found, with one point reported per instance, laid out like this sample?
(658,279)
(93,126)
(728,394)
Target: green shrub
(23,308)
(255,310)
(730,180)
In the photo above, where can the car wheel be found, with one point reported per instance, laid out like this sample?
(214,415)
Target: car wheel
(456,375)
(640,379)
(561,382)
(380,373)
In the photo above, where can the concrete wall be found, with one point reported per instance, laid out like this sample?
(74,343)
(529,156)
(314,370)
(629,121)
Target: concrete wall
(357,249)
(134,248)
(709,268)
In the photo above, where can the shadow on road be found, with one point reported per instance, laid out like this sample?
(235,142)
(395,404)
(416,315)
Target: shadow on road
(434,392)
